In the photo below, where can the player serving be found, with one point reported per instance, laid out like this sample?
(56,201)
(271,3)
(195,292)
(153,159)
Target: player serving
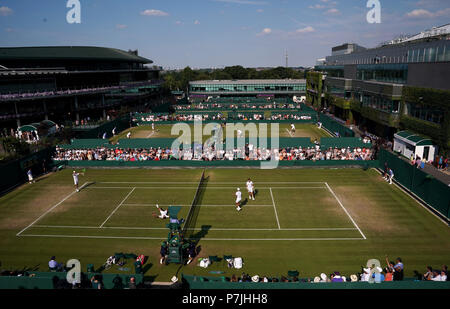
(250,189)
(75,179)
(238,199)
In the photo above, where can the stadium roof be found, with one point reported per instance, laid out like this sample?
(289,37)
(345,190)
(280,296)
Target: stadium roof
(69,53)
(250,81)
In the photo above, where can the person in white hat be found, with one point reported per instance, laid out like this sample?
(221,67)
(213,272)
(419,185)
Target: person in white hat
(238,199)
(255,278)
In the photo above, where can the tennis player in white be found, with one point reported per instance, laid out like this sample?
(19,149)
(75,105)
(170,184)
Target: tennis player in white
(238,199)
(250,189)
(30,176)
(75,180)
(162,212)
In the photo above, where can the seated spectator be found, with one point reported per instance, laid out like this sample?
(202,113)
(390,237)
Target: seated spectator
(53,265)
(95,282)
(428,275)
(132,284)
(336,277)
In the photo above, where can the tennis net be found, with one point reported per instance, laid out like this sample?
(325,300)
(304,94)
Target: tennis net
(191,219)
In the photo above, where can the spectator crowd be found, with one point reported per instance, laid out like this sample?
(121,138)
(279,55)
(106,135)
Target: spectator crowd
(248,152)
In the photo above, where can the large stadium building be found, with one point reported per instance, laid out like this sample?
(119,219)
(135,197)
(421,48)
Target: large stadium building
(66,84)
(402,84)
(279,88)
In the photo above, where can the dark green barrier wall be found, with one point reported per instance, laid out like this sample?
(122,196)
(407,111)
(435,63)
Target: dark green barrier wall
(120,124)
(236,163)
(44,280)
(218,283)
(333,126)
(15,173)
(432,191)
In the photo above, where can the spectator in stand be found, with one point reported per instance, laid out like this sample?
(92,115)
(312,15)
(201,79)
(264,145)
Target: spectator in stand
(53,265)
(95,282)
(398,270)
(439,276)
(429,274)
(445,270)
(132,284)
(388,274)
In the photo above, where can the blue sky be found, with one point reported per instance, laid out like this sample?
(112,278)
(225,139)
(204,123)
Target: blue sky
(215,33)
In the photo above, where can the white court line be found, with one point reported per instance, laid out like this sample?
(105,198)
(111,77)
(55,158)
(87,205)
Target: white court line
(209,183)
(202,239)
(192,229)
(411,195)
(351,219)
(153,205)
(289,132)
(151,134)
(275,208)
(209,187)
(117,207)
(45,213)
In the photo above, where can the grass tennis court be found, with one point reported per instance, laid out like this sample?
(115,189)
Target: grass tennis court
(164,131)
(312,220)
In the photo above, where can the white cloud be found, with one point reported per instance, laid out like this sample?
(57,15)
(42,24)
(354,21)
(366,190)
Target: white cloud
(120,26)
(259,10)
(265,31)
(179,22)
(154,13)
(421,13)
(332,12)
(317,6)
(196,22)
(5,11)
(305,30)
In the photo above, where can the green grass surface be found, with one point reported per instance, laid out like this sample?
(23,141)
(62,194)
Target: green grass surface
(296,222)
(164,131)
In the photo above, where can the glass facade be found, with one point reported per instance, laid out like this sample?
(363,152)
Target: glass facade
(419,112)
(244,88)
(390,73)
(430,54)
(381,103)
(332,71)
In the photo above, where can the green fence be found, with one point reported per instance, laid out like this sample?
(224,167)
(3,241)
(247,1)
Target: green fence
(222,163)
(15,173)
(48,280)
(145,143)
(335,127)
(343,142)
(434,192)
(120,124)
(198,283)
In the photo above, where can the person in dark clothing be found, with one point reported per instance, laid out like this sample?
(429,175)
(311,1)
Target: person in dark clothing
(163,252)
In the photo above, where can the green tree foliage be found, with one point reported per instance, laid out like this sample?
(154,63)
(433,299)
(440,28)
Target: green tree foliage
(179,80)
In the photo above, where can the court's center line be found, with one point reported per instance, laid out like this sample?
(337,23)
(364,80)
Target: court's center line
(123,201)
(275,208)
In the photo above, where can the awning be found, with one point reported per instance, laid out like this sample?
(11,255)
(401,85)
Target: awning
(413,139)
